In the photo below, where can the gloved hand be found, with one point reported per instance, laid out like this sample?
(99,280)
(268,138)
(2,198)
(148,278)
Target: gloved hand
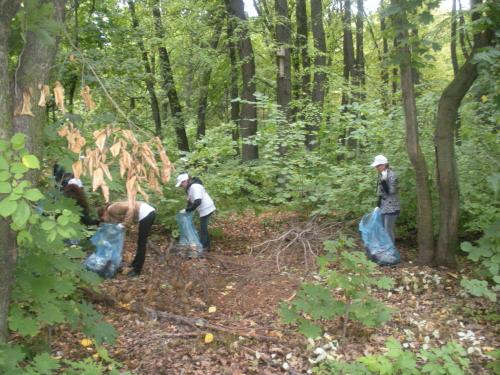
(383,175)
(376,209)
(183,211)
(120,226)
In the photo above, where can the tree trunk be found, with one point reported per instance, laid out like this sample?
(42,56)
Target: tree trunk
(149,78)
(33,68)
(453,43)
(449,197)
(301,46)
(8,9)
(283,79)
(426,249)
(204,88)
(248,122)
(318,91)
(168,85)
(235,104)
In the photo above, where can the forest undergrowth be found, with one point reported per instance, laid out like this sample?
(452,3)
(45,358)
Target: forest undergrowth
(219,315)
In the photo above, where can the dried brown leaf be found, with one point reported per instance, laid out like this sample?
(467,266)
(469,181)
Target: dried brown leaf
(59,96)
(77,169)
(100,141)
(63,131)
(24,108)
(106,171)
(44,94)
(115,149)
(97,179)
(85,93)
(105,191)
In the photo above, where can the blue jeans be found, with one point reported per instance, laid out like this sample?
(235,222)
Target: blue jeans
(388,222)
(204,235)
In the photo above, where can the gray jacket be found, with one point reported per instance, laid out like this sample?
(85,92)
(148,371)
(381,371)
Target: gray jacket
(387,190)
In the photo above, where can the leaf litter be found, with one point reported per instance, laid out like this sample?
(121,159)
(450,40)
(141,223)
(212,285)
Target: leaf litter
(218,315)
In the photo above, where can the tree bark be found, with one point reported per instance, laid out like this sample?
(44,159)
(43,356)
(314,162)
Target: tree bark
(426,249)
(235,104)
(301,46)
(248,122)
(204,88)
(149,78)
(32,68)
(283,78)
(453,43)
(447,178)
(8,9)
(318,91)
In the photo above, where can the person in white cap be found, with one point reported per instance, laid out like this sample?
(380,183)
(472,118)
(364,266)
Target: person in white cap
(198,199)
(387,190)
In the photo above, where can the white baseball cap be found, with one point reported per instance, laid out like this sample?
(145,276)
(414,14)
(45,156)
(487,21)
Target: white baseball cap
(76,182)
(379,159)
(181,178)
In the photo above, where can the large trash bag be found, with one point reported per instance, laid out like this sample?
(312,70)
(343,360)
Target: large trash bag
(109,241)
(189,241)
(379,246)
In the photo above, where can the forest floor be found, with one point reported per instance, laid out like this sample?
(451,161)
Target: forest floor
(219,315)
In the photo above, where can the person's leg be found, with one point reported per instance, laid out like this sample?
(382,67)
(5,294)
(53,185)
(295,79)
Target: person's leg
(142,240)
(204,235)
(388,221)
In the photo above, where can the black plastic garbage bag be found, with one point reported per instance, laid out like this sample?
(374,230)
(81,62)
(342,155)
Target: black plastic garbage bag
(189,241)
(109,241)
(379,246)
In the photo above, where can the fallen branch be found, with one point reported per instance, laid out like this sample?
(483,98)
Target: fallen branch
(154,314)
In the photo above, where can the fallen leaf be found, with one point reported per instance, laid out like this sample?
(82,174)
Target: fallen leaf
(209,338)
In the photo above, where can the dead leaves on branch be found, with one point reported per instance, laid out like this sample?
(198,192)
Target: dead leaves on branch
(24,107)
(138,166)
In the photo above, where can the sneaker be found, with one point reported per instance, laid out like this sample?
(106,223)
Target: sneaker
(133,273)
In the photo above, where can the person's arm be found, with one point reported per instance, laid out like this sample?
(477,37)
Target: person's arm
(88,220)
(192,206)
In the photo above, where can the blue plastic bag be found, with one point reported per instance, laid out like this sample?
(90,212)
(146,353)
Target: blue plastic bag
(379,246)
(189,240)
(109,241)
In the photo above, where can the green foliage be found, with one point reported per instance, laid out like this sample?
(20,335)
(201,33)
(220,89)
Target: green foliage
(43,364)
(487,253)
(354,280)
(450,359)
(47,272)
(36,18)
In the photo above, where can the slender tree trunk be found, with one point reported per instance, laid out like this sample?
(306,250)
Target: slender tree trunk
(447,177)
(318,91)
(283,79)
(168,84)
(204,89)
(384,70)
(348,48)
(426,249)
(453,43)
(150,82)
(74,77)
(235,104)
(248,122)
(360,56)
(301,46)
